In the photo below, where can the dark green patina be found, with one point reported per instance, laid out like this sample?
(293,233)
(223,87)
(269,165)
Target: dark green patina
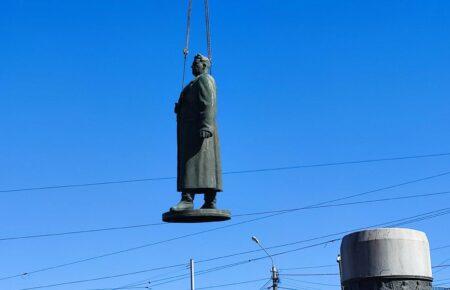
(199,163)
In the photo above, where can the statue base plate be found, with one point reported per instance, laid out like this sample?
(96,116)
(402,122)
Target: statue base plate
(196,216)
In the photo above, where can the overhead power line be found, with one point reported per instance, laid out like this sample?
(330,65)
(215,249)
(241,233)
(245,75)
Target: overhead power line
(441,266)
(233,284)
(128,249)
(46,235)
(81,232)
(218,228)
(393,223)
(232,265)
(182,277)
(292,167)
(440,248)
(308,267)
(146,281)
(313,283)
(408,220)
(348,203)
(109,277)
(311,274)
(288,288)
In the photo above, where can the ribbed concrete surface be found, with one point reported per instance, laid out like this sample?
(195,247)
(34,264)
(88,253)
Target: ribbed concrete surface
(387,252)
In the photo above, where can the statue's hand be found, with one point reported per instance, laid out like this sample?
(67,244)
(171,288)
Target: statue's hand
(176,109)
(205,134)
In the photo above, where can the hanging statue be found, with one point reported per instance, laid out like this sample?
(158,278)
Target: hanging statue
(199,164)
(199,167)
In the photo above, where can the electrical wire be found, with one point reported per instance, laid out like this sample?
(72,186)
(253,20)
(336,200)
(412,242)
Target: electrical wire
(233,284)
(403,221)
(258,170)
(311,274)
(149,280)
(441,266)
(216,229)
(80,232)
(312,283)
(411,219)
(232,265)
(107,277)
(408,220)
(276,254)
(308,267)
(440,248)
(45,235)
(128,249)
(348,203)
(393,223)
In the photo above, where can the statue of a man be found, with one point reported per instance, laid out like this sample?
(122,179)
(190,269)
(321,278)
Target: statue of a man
(199,165)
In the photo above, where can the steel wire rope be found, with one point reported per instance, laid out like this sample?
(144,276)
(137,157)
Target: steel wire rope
(212,229)
(188,33)
(208,30)
(258,170)
(187,39)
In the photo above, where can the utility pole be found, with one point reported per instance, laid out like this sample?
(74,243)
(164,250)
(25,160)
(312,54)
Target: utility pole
(339,261)
(274,270)
(275,278)
(191,266)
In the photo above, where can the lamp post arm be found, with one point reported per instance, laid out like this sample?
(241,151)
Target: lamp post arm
(267,253)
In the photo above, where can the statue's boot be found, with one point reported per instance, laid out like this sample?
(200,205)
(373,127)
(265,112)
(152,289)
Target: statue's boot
(186,202)
(210,201)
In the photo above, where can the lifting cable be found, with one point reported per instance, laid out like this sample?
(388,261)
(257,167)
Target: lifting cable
(188,34)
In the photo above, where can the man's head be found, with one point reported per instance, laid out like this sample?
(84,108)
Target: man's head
(200,65)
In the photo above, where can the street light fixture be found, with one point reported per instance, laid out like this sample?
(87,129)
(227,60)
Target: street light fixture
(275,277)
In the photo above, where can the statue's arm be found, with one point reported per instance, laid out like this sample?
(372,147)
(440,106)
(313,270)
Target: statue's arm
(207,101)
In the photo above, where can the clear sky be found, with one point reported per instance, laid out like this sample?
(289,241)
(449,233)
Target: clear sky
(86,95)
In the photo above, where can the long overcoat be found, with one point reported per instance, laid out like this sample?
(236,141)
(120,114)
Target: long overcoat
(199,164)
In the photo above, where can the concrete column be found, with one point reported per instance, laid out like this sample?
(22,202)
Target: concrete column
(388,258)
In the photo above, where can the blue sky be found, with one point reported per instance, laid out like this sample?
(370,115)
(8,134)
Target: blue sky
(86,95)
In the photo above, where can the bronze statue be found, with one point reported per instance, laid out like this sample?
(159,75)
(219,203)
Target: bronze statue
(199,164)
